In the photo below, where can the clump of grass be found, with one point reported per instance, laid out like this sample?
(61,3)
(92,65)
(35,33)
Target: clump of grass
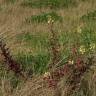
(43,18)
(1,8)
(88,38)
(10,1)
(9,76)
(90,16)
(53,4)
(39,4)
(14,81)
(41,63)
(33,64)
(33,40)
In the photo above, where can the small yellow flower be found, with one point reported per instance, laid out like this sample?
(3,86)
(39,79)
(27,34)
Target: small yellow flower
(71,62)
(79,30)
(82,49)
(46,74)
(92,46)
(50,20)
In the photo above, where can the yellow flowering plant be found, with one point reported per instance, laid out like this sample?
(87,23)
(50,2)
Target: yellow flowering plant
(92,46)
(79,30)
(82,49)
(70,62)
(46,74)
(50,20)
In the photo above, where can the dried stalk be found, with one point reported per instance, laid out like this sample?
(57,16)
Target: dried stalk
(54,46)
(9,61)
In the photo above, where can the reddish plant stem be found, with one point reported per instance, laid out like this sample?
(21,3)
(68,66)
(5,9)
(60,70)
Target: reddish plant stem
(9,61)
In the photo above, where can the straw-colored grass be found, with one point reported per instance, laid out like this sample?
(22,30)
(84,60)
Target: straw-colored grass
(29,43)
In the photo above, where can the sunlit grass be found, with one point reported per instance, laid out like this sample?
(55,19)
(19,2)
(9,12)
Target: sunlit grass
(49,3)
(90,16)
(36,64)
(10,1)
(43,18)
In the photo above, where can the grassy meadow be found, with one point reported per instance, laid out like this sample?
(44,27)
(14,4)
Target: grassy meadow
(44,33)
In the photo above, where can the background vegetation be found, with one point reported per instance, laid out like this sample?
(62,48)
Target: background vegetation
(28,28)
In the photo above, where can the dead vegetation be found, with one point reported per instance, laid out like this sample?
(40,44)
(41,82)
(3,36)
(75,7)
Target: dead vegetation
(76,78)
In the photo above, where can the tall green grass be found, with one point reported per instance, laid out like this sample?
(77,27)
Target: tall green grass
(90,16)
(8,75)
(36,64)
(43,18)
(39,61)
(49,3)
(33,41)
(10,1)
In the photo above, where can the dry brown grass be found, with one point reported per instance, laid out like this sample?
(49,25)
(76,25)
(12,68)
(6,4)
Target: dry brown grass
(34,87)
(12,19)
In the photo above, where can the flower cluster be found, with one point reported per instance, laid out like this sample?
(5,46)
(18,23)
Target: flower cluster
(82,49)
(92,46)
(79,30)
(70,62)
(73,69)
(50,20)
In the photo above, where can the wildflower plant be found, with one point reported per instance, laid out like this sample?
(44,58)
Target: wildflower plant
(90,16)
(92,46)
(82,49)
(79,29)
(70,62)
(73,72)
(54,43)
(10,1)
